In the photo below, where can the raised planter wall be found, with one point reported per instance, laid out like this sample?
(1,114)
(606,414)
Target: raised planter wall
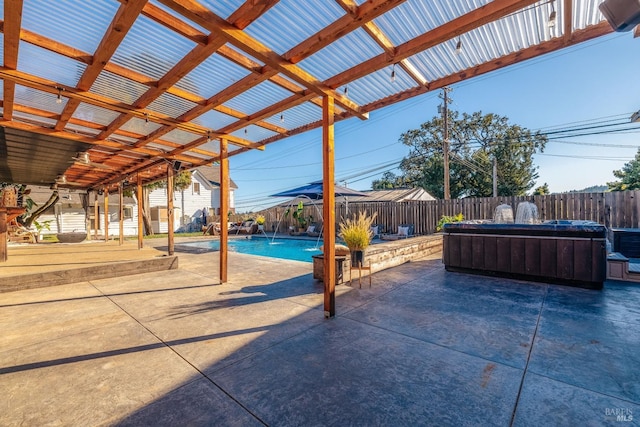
(397,252)
(389,254)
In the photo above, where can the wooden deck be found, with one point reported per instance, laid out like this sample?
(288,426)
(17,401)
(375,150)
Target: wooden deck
(49,264)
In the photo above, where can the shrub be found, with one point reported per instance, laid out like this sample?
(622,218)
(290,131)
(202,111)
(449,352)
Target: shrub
(356,232)
(447,220)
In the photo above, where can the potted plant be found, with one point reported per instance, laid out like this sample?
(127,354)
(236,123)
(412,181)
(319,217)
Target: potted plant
(40,226)
(260,221)
(448,220)
(298,215)
(357,234)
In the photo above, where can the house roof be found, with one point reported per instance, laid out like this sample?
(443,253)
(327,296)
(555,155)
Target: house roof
(212,174)
(139,84)
(372,196)
(393,195)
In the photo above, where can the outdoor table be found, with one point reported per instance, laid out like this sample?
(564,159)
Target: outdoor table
(7,214)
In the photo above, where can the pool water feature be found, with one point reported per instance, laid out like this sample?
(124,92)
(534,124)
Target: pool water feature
(293,249)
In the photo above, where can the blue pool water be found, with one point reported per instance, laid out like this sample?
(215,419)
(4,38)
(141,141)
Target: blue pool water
(295,249)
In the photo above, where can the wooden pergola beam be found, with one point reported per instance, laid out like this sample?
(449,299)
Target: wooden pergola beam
(230,92)
(578,36)
(177,72)
(11,43)
(355,19)
(250,11)
(91,125)
(169,21)
(92,141)
(226,52)
(212,22)
(567,31)
(85,58)
(383,41)
(463,24)
(285,104)
(120,25)
(110,104)
(244,15)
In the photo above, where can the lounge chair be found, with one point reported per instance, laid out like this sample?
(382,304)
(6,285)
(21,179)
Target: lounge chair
(404,231)
(246,227)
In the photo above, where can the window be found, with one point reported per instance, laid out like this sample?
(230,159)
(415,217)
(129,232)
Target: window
(196,188)
(128,212)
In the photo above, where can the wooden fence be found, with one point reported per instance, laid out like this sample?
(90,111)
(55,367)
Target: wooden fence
(619,209)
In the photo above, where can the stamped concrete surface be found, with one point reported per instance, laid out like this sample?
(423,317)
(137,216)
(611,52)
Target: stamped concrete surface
(420,347)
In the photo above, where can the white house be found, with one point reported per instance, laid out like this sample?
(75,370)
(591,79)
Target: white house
(201,199)
(203,195)
(68,214)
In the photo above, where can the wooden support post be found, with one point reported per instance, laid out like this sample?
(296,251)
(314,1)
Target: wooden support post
(224,208)
(170,218)
(140,212)
(328,206)
(3,235)
(120,214)
(7,214)
(96,216)
(106,215)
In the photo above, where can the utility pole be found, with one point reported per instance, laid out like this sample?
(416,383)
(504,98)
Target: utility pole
(445,141)
(495,176)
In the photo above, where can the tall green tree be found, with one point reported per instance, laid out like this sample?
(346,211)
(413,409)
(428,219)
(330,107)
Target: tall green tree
(474,141)
(181,181)
(388,181)
(629,176)
(542,190)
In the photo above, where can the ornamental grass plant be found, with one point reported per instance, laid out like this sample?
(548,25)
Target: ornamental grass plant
(356,232)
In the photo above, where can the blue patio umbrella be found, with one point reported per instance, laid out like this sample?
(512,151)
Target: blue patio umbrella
(314,191)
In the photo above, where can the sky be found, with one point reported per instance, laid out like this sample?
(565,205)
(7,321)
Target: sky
(590,84)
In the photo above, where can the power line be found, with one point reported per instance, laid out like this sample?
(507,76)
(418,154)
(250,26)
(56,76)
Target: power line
(572,156)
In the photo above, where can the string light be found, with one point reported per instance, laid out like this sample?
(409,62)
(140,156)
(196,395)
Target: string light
(146,119)
(393,73)
(346,90)
(59,98)
(281,118)
(459,47)
(208,136)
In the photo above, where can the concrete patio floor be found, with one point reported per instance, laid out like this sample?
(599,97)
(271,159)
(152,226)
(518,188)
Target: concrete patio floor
(421,347)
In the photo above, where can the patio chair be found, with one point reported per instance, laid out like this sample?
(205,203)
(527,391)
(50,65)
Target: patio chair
(246,227)
(19,234)
(314,230)
(377,230)
(404,231)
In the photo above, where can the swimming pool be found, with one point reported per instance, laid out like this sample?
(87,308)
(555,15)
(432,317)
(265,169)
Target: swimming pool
(294,249)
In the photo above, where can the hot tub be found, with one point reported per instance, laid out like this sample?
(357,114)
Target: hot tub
(563,253)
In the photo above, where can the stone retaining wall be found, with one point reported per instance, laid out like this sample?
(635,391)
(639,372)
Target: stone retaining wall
(393,253)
